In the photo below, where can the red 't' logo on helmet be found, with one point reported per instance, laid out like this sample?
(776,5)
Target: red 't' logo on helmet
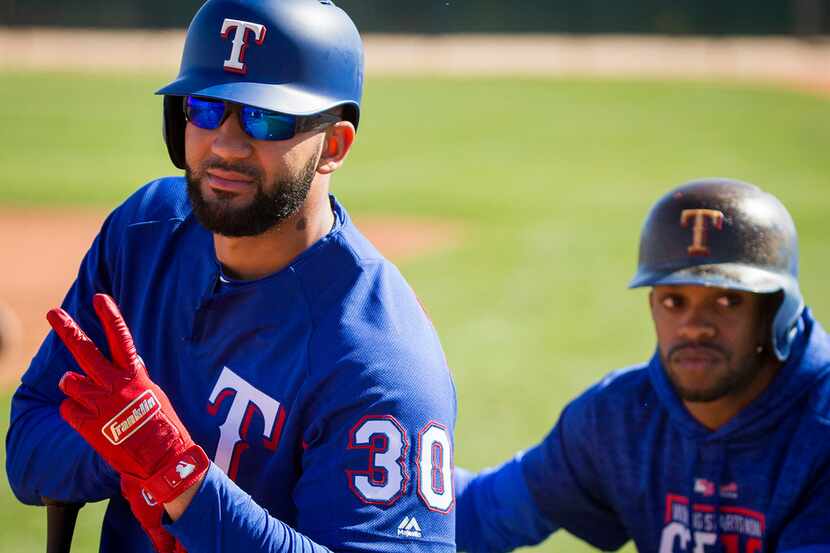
(699,229)
(236,63)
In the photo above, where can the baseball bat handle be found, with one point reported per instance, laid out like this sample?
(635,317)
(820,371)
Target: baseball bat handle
(60,524)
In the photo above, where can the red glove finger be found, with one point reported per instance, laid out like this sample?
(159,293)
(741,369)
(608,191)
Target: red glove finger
(83,349)
(76,414)
(149,514)
(119,339)
(83,390)
(134,426)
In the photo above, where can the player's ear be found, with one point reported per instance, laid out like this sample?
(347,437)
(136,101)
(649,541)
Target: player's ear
(651,300)
(337,142)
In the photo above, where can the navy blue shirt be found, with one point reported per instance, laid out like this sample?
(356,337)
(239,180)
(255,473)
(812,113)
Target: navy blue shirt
(626,461)
(320,392)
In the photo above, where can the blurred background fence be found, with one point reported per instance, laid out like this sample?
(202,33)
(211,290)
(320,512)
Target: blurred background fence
(695,17)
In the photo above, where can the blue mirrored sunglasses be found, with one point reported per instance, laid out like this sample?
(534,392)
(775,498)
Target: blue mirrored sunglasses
(258,123)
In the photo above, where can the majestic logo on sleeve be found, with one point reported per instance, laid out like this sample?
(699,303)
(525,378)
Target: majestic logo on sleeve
(690,527)
(236,62)
(233,433)
(701,218)
(135,415)
(409,528)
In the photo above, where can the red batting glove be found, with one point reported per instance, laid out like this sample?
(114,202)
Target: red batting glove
(148,511)
(120,412)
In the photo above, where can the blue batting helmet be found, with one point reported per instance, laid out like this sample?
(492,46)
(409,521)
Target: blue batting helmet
(293,56)
(728,234)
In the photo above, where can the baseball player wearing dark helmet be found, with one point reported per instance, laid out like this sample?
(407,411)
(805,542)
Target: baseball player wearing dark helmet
(236,368)
(719,443)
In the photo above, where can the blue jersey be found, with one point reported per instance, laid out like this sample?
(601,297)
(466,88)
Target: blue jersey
(626,461)
(320,392)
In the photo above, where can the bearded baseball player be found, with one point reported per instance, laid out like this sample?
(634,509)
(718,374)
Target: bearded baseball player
(236,368)
(719,443)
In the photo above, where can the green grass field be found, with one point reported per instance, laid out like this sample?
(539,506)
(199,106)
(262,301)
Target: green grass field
(550,179)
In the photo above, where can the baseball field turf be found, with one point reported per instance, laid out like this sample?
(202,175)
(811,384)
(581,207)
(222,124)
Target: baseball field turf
(547,180)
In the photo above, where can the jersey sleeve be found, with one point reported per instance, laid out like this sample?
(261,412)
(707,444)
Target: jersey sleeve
(36,430)
(565,480)
(496,511)
(237,523)
(377,468)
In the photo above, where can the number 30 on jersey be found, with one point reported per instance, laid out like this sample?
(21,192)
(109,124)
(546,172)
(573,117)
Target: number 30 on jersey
(386,477)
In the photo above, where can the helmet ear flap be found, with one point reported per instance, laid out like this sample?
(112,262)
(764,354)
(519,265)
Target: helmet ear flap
(173,130)
(351,113)
(786,321)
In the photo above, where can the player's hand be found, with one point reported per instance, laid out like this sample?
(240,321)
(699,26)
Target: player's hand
(120,412)
(149,513)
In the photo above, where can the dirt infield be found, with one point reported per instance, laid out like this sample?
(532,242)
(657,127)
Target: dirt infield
(42,262)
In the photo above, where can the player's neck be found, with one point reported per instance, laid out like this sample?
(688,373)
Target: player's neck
(715,414)
(253,257)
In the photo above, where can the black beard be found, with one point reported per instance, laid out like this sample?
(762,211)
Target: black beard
(269,207)
(737,378)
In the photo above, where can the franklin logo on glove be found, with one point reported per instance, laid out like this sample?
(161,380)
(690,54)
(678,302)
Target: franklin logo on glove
(125,423)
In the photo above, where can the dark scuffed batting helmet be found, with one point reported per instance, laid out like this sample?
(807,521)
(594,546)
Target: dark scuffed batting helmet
(293,56)
(727,234)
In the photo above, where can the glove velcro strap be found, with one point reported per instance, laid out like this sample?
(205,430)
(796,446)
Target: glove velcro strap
(179,474)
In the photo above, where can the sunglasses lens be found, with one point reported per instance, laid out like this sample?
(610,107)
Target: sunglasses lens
(267,125)
(205,114)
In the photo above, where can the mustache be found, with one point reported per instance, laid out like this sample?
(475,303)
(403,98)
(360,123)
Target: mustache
(241,168)
(677,348)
